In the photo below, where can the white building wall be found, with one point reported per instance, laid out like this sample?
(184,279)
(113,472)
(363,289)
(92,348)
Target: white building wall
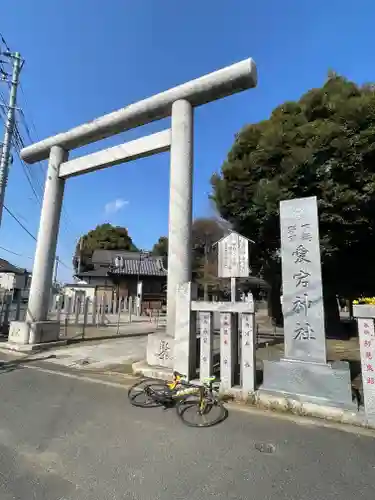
(72,291)
(7,281)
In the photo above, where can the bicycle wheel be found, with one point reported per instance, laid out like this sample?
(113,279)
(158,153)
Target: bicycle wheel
(190,412)
(148,394)
(140,385)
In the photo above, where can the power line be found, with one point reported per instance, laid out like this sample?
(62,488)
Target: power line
(68,221)
(19,144)
(30,234)
(20,223)
(13,136)
(64,265)
(15,253)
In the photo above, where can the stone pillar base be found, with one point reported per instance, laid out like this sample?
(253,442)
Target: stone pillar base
(160,350)
(21,332)
(313,382)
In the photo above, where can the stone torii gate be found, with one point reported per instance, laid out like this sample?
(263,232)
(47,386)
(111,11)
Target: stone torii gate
(178,103)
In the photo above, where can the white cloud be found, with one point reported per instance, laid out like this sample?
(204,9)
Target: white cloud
(114,206)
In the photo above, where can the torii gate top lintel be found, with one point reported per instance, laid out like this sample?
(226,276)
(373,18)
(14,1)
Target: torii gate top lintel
(210,87)
(178,103)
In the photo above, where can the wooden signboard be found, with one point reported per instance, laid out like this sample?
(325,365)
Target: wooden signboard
(233,256)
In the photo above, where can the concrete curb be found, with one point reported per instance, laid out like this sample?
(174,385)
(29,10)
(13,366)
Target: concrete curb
(27,348)
(290,404)
(275,402)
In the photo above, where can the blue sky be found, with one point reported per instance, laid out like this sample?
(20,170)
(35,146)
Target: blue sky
(85,58)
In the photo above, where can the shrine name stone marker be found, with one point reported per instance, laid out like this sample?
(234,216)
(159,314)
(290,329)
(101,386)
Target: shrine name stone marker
(304,370)
(302,281)
(365,315)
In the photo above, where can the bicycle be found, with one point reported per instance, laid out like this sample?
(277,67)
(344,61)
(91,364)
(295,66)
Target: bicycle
(200,400)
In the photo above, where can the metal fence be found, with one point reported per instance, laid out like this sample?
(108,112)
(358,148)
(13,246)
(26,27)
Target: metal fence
(89,317)
(93,317)
(82,316)
(11,309)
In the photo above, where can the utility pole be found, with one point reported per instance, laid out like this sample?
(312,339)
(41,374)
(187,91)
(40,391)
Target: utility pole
(17,63)
(80,248)
(56,269)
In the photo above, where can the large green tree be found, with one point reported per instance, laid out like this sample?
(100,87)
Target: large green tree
(106,237)
(323,145)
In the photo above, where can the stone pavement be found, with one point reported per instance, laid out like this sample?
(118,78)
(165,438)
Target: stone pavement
(100,355)
(139,325)
(67,439)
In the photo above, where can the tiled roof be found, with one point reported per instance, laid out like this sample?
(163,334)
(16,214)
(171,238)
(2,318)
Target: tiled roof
(7,267)
(152,266)
(109,256)
(100,272)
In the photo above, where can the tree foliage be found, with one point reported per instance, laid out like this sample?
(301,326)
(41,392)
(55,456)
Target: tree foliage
(161,247)
(205,232)
(106,237)
(321,145)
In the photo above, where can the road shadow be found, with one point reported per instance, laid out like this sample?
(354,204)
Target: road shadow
(15,364)
(76,339)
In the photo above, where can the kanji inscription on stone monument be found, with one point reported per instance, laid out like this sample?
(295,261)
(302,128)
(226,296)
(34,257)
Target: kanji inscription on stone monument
(301,281)
(206,343)
(227,333)
(248,371)
(367,348)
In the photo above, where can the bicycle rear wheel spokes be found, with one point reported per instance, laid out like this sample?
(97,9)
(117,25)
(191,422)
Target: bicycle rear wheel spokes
(193,414)
(137,387)
(148,393)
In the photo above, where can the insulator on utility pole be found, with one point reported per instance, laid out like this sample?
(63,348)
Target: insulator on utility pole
(6,156)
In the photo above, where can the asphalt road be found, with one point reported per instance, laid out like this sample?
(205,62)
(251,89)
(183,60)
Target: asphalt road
(68,439)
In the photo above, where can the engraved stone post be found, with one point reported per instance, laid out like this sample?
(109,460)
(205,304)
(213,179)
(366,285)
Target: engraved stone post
(367,348)
(304,370)
(233,261)
(228,345)
(206,343)
(302,281)
(248,351)
(185,331)
(366,331)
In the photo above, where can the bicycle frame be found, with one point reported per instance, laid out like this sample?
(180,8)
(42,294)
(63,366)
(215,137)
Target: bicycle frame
(178,381)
